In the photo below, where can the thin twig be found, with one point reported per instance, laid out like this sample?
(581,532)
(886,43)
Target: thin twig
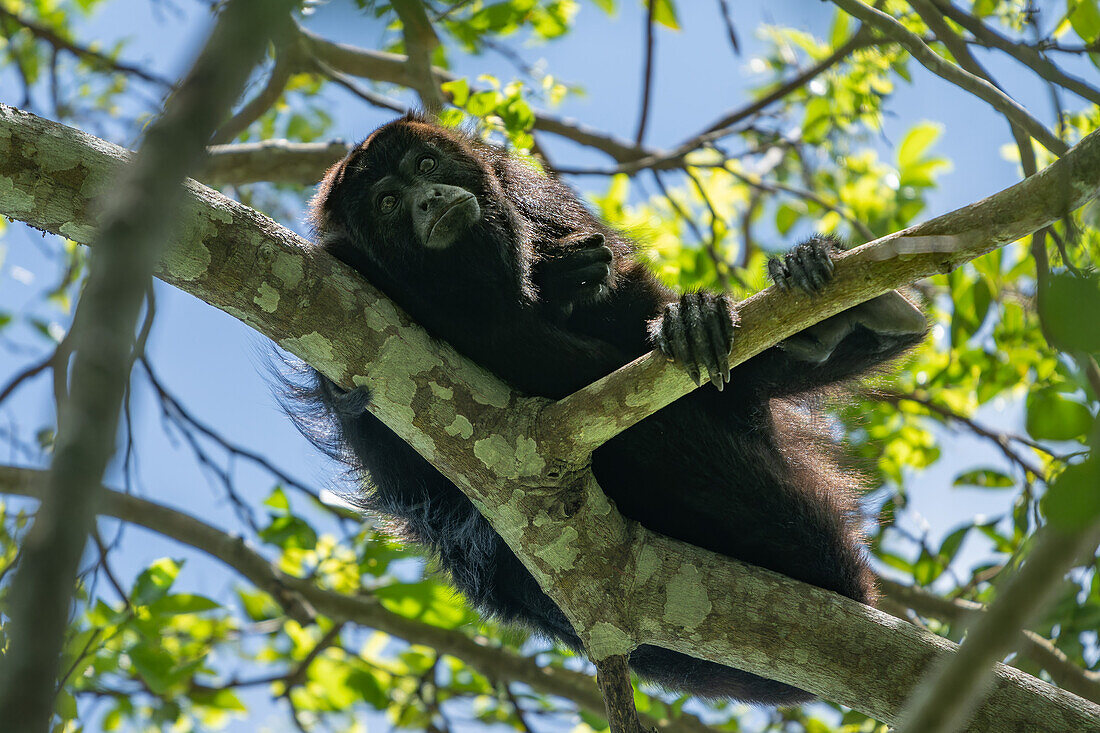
(952,73)
(93,57)
(647,73)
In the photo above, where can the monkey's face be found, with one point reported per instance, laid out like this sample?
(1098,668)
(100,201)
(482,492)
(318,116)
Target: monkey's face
(409,189)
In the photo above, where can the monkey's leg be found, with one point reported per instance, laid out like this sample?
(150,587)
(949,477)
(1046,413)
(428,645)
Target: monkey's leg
(345,403)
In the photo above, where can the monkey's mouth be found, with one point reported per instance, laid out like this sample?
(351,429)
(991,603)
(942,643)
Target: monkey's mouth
(453,220)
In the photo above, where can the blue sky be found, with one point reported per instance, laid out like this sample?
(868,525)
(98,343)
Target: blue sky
(216,365)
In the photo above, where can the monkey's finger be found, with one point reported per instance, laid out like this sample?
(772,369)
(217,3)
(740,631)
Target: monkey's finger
(825,256)
(727,323)
(719,358)
(676,339)
(807,257)
(591,275)
(822,262)
(799,274)
(693,315)
(778,273)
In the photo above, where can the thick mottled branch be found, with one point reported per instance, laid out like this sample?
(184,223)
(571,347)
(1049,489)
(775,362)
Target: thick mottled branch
(486,439)
(595,414)
(949,72)
(300,598)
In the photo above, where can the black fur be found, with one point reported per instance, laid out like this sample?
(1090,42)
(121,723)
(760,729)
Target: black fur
(549,298)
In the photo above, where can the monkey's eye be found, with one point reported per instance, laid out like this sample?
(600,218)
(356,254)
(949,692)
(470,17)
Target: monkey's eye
(387,203)
(426,164)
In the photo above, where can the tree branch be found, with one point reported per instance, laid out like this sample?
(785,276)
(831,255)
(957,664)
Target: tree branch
(420,42)
(1022,52)
(518,469)
(944,701)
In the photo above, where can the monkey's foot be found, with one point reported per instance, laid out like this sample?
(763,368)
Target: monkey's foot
(698,331)
(808,267)
(582,275)
(349,403)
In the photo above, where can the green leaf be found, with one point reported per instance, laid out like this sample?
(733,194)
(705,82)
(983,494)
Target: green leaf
(426,601)
(838,34)
(785,218)
(178,603)
(1084,16)
(926,569)
(1073,500)
(951,544)
(154,665)
(65,705)
(259,606)
(984,478)
(154,582)
(608,6)
(1067,298)
(222,699)
(664,12)
(278,501)
(289,532)
(459,89)
(1053,416)
(916,143)
(815,120)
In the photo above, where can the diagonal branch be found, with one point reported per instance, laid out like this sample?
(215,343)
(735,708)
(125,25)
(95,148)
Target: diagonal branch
(420,42)
(1022,52)
(944,702)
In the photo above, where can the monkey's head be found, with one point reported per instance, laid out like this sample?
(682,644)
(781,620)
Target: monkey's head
(412,194)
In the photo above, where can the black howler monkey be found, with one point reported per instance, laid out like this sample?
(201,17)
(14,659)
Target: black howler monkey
(507,265)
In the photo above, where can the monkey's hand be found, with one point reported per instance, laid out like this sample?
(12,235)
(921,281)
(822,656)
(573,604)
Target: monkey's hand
(891,317)
(583,274)
(808,267)
(697,332)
